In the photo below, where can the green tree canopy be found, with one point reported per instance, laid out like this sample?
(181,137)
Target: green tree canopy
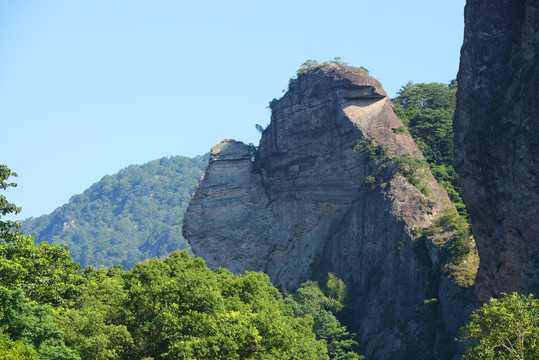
(8,229)
(177,308)
(506,328)
(427,111)
(44,272)
(95,325)
(311,303)
(15,349)
(29,323)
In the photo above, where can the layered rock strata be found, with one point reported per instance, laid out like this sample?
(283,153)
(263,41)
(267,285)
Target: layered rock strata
(497,141)
(299,208)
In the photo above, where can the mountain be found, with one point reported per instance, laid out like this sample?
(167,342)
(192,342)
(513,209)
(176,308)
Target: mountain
(497,141)
(334,186)
(127,217)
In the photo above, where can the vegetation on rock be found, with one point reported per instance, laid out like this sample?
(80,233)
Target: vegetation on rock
(427,111)
(315,65)
(459,260)
(404,164)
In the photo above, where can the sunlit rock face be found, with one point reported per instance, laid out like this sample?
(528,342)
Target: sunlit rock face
(298,209)
(497,141)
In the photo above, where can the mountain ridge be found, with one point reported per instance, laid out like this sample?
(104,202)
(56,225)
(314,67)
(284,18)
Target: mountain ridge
(127,217)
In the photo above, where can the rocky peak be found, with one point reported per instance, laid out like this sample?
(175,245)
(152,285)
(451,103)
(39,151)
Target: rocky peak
(329,77)
(230,150)
(309,204)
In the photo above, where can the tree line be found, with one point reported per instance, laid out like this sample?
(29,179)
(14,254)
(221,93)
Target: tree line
(171,308)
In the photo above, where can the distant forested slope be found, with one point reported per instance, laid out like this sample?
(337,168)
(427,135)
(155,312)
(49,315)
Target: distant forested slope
(125,218)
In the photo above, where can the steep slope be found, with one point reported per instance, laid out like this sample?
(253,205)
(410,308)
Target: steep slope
(310,204)
(127,217)
(497,141)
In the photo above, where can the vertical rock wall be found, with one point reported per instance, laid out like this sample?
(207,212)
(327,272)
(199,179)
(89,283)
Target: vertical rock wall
(497,141)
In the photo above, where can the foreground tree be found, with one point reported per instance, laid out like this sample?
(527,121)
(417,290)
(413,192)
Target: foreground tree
(310,302)
(44,272)
(177,308)
(506,328)
(180,309)
(29,329)
(8,229)
(15,350)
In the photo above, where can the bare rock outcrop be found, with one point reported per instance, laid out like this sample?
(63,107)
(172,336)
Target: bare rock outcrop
(497,141)
(300,207)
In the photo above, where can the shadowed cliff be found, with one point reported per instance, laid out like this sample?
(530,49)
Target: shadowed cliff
(497,141)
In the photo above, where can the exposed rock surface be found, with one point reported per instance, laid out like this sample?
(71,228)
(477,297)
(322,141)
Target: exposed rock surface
(301,210)
(497,141)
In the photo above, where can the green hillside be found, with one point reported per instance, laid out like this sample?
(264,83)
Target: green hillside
(127,217)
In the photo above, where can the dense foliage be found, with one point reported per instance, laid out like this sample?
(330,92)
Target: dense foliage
(32,325)
(124,218)
(177,308)
(27,330)
(427,111)
(309,301)
(173,308)
(8,229)
(45,272)
(506,328)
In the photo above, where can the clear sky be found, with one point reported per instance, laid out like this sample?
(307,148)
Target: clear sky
(90,87)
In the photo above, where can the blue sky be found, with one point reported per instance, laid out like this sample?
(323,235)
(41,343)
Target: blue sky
(90,87)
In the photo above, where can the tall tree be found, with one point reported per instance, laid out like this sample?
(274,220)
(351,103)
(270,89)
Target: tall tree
(310,302)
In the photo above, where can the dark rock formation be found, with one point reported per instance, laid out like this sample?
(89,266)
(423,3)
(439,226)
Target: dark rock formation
(497,141)
(301,210)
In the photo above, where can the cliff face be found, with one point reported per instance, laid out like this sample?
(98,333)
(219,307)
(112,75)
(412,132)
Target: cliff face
(302,209)
(497,141)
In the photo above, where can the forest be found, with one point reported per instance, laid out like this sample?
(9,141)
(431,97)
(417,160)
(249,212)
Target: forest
(125,218)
